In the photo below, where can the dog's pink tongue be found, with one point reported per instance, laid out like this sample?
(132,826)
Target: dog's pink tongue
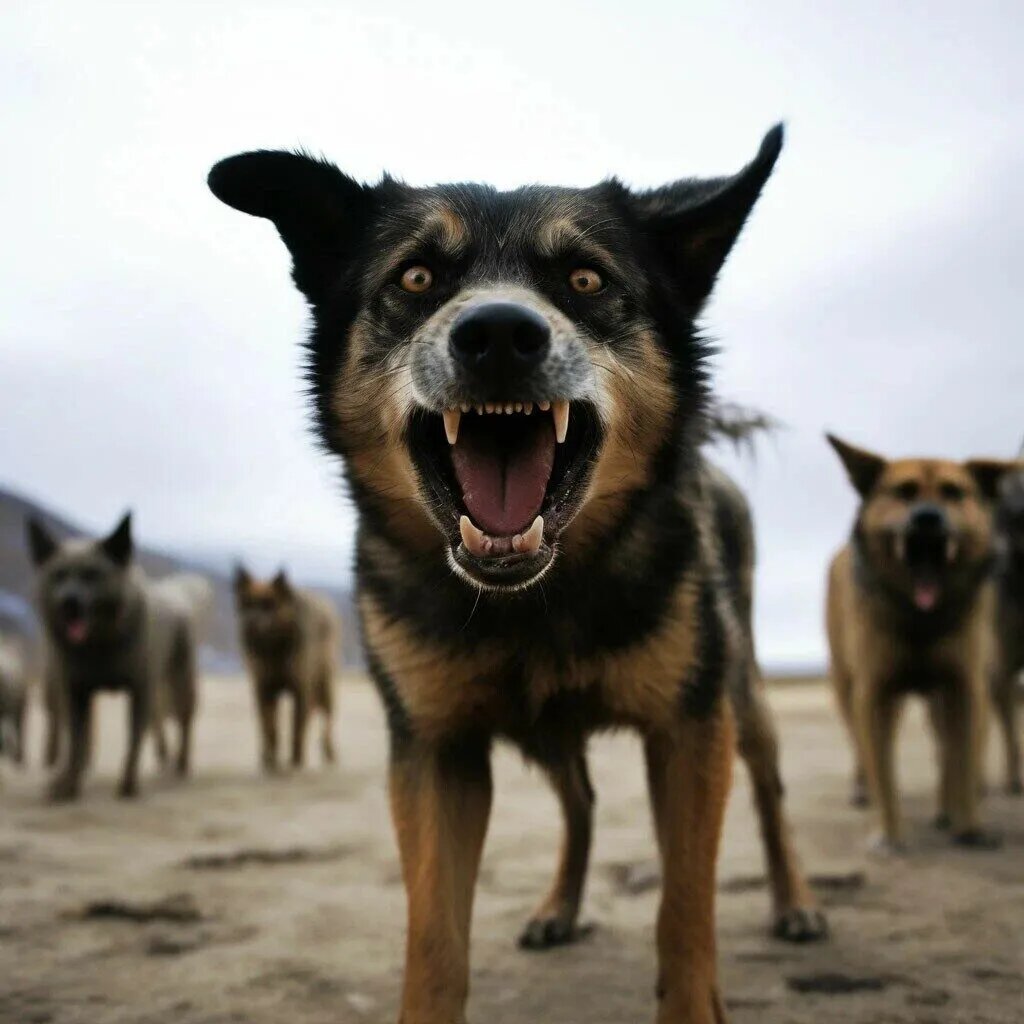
(77,630)
(503,484)
(926,596)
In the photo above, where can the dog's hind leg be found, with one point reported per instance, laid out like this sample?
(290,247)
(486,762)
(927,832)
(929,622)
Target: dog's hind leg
(440,803)
(266,707)
(184,696)
(795,913)
(689,777)
(554,921)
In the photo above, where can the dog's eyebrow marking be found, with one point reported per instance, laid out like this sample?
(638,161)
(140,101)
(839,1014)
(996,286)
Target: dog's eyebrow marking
(445,229)
(561,235)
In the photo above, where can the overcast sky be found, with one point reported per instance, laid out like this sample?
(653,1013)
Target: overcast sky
(149,335)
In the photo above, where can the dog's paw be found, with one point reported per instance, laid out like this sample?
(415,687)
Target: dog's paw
(978,839)
(800,924)
(550,931)
(859,795)
(128,789)
(886,848)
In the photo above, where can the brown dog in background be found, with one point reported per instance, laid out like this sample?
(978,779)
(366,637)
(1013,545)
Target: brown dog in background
(290,639)
(910,610)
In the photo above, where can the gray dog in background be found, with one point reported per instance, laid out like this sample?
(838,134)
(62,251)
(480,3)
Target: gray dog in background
(110,628)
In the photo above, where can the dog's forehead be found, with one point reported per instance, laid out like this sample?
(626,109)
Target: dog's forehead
(927,472)
(533,220)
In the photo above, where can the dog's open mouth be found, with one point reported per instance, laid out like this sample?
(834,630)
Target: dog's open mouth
(507,479)
(927,558)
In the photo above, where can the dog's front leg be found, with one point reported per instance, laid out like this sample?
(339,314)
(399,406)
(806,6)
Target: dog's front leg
(689,774)
(78,708)
(440,802)
(138,718)
(961,713)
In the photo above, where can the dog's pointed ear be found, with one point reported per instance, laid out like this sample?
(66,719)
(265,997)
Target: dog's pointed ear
(118,545)
(41,545)
(241,579)
(319,212)
(863,467)
(694,223)
(281,584)
(989,474)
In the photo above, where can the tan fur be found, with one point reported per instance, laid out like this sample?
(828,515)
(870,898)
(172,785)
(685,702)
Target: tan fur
(290,638)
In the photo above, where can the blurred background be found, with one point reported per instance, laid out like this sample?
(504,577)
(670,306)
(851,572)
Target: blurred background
(149,336)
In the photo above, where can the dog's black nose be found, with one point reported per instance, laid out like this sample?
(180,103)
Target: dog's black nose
(72,607)
(499,342)
(928,518)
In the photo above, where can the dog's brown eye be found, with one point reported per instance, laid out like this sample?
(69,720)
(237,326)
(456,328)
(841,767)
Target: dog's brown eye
(417,280)
(585,281)
(951,492)
(907,491)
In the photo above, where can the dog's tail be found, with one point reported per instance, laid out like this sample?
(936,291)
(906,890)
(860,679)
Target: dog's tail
(738,424)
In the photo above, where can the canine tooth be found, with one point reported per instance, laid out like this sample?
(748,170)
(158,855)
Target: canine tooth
(529,542)
(900,547)
(451,424)
(560,414)
(476,541)
(543,406)
(952,549)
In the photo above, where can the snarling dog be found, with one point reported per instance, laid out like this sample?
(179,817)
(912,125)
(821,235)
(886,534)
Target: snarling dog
(519,391)
(110,628)
(290,638)
(1006,683)
(910,610)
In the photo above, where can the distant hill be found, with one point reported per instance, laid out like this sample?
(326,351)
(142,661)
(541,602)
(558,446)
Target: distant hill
(220,650)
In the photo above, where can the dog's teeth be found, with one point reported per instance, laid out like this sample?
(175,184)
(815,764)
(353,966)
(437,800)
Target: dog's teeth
(465,407)
(489,407)
(528,407)
(560,414)
(543,406)
(477,543)
(952,549)
(451,424)
(518,406)
(479,410)
(529,542)
(509,408)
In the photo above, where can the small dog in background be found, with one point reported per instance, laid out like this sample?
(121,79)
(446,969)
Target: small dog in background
(108,627)
(910,610)
(1006,684)
(13,699)
(290,639)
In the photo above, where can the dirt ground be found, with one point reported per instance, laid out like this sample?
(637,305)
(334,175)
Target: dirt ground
(273,900)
